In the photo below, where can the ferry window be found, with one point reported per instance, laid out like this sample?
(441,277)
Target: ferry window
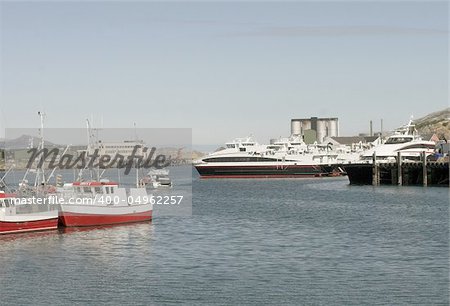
(87,189)
(419,146)
(7,203)
(398,140)
(107,190)
(112,189)
(239,159)
(98,190)
(1,203)
(242,149)
(78,189)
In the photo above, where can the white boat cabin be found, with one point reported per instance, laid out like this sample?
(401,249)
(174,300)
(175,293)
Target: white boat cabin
(7,204)
(104,192)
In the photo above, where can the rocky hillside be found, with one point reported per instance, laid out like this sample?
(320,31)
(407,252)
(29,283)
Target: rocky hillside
(23,142)
(435,123)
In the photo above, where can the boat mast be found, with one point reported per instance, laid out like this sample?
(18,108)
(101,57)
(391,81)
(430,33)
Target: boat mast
(137,170)
(40,174)
(136,161)
(88,150)
(137,175)
(90,146)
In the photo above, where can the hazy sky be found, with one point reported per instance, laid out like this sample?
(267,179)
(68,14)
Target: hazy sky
(225,70)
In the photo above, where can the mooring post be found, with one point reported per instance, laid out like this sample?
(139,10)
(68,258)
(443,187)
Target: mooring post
(375,181)
(424,169)
(393,175)
(399,168)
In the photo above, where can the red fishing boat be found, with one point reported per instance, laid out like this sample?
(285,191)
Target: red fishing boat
(102,203)
(18,218)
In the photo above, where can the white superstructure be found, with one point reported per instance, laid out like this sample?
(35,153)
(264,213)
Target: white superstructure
(405,140)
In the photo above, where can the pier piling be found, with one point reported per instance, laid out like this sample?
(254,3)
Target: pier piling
(424,169)
(375,171)
(420,172)
(393,176)
(399,169)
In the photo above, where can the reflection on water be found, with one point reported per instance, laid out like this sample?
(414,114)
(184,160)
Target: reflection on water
(181,190)
(22,237)
(248,242)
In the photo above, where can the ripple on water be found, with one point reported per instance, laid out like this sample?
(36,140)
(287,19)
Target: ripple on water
(248,242)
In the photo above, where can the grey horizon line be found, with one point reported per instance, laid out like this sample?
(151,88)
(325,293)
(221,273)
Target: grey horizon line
(266,29)
(311,31)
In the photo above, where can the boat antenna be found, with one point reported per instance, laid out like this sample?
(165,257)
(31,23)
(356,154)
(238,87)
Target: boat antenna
(136,161)
(93,144)
(411,127)
(88,127)
(135,132)
(88,149)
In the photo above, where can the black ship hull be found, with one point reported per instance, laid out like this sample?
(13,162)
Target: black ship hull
(269,171)
(359,174)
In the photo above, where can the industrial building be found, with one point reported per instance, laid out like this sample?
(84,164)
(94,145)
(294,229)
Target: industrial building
(125,148)
(315,129)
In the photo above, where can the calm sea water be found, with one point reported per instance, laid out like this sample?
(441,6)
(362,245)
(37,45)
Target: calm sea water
(311,242)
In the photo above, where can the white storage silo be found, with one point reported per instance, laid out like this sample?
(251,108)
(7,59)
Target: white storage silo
(321,130)
(333,128)
(296,127)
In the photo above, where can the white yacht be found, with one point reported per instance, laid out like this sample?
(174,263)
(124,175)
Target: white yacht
(285,157)
(157,178)
(405,140)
